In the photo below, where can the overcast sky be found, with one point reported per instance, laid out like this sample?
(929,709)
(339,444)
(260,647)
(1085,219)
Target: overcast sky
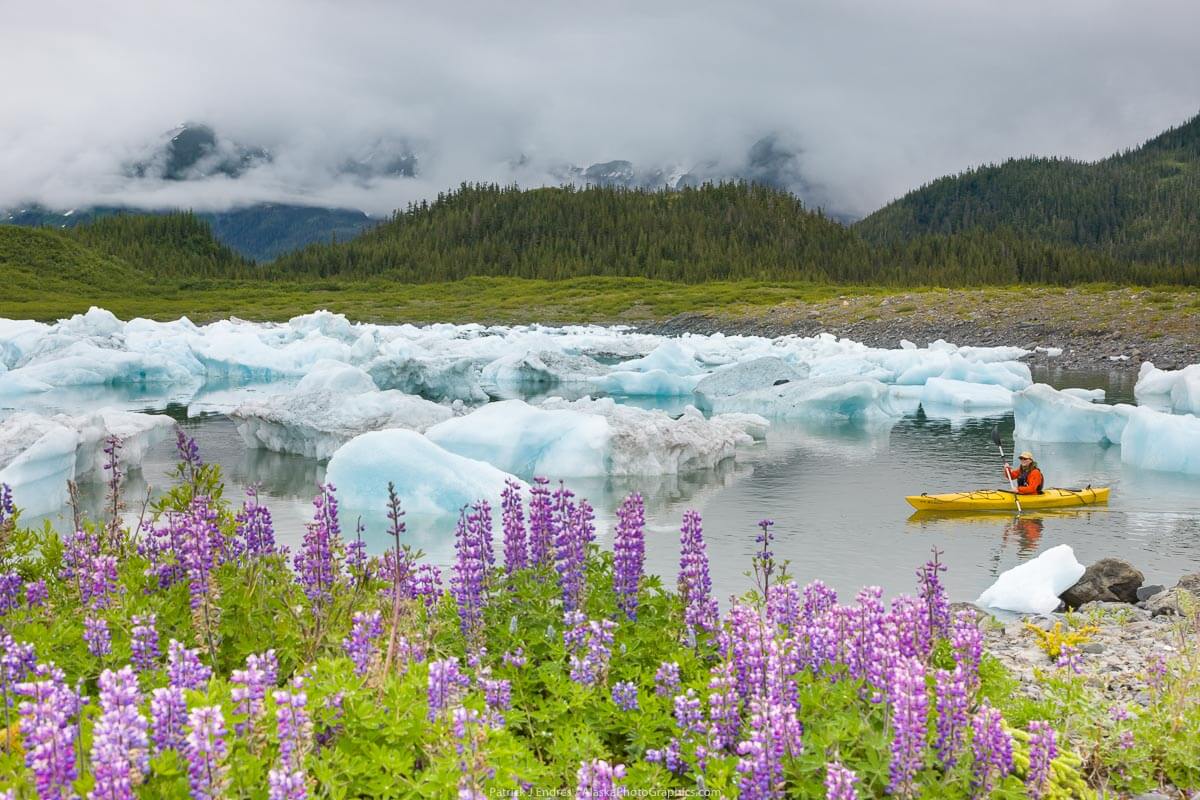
(878,95)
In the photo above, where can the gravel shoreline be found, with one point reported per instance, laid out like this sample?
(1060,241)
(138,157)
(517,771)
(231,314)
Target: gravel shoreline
(1115,330)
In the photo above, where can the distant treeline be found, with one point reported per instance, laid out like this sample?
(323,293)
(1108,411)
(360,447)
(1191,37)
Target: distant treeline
(714,232)
(726,231)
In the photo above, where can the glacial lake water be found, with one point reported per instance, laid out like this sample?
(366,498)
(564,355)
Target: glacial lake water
(836,493)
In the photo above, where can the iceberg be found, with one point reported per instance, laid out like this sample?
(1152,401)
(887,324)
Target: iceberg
(434,379)
(1034,587)
(655,383)
(1160,441)
(513,374)
(1044,414)
(1175,390)
(672,357)
(744,376)
(39,455)
(594,438)
(813,398)
(330,406)
(429,480)
(948,393)
(37,458)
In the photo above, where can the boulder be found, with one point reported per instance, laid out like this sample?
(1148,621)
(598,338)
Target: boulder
(1182,599)
(1148,591)
(1110,579)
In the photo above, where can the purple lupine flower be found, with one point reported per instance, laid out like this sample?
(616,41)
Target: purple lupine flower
(446,685)
(839,782)
(497,694)
(255,530)
(1043,749)
(36,594)
(483,511)
(952,700)
(666,679)
(95,633)
(286,785)
(629,553)
(910,713)
(316,563)
(774,734)
(120,748)
(359,646)
(594,638)
(819,600)
(724,711)
(764,559)
(426,584)
(7,509)
(967,640)
(168,712)
(184,669)
(294,724)
(671,757)
(17,660)
(625,695)
(512,520)
(112,465)
(48,732)
(906,624)
(250,688)
(10,591)
(936,617)
(785,604)
(1070,658)
(688,717)
(576,529)
(598,779)
(206,750)
(470,569)
(541,524)
(514,658)
(992,747)
(695,585)
(144,641)
(189,454)
(201,548)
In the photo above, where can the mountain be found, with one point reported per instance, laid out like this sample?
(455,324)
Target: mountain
(260,232)
(1140,205)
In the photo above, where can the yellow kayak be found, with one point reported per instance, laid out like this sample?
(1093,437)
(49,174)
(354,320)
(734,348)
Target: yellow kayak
(1000,500)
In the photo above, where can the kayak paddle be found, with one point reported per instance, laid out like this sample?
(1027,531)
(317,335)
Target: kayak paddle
(1012,484)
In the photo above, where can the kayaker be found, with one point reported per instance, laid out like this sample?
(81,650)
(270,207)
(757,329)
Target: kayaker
(1027,475)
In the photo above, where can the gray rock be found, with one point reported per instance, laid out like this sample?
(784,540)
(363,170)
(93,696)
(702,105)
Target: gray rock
(1110,579)
(1149,590)
(1151,796)
(1092,647)
(1190,582)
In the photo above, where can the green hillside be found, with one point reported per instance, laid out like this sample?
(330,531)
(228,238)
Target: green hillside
(713,232)
(1140,205)
(178,244)
(40,261)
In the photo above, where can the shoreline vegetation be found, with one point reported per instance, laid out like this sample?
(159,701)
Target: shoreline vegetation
(185,652)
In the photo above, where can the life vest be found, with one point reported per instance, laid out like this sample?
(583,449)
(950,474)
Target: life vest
(1023,477)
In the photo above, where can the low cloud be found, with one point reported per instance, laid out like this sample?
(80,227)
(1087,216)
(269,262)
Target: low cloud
(865,99)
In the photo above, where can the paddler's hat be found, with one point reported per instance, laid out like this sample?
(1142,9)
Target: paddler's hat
(1025,455)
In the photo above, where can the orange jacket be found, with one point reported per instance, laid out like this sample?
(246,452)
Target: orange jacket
(1033,481)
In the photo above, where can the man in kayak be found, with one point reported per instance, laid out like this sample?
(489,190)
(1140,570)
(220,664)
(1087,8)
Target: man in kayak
(1028,477)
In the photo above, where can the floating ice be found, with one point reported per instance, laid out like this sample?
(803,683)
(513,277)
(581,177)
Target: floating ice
(513,374)
(947,393)
(655,383)
(594,438)
(1043,414)
(39,454)
(1091,395)
(1160,441)
(430,481)
(1012,375)
(672,357)
(744,376)
(812,399)
(1177,390)
(433,379)
(1034,587)
(328,408)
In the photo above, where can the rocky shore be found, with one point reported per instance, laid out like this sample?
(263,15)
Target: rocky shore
(1114,329)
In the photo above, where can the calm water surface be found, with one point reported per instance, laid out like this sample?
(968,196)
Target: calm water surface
(836,493)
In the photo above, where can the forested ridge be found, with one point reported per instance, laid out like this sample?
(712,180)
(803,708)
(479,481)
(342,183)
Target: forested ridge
(713,232)
(1139,205)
